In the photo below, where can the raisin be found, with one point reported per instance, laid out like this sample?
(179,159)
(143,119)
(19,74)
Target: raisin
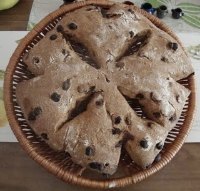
(158,158)
(173,45)
(149,124)
(178,99)
(44,136)
(140,96)
(116,131)
(117,120)
(107,164)
(34,113)
(148,166)
(96,166)
(131,34)
(159,146)
(164,59)
(157,114)
(36,60)
(60,28)
(72,26)
(107,80)
(37,111)
(99,102)
(144,143)
(89,151)
(31,116)
(55,97)
(64,52)
(53,37)
(66,85)
(92,89)
(131,11)
(173,118)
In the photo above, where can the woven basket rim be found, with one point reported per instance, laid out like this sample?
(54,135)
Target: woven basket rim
(66,176)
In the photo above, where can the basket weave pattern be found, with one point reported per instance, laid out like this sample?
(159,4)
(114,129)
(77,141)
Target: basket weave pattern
(60,163)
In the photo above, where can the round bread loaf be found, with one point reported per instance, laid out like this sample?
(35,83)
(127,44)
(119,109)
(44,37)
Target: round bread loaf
(84,71)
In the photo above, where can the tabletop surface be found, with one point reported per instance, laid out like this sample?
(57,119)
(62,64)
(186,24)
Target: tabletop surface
(20,173)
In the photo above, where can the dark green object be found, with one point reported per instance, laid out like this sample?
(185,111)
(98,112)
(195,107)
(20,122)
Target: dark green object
(68,1)
(161,11)
(177,13)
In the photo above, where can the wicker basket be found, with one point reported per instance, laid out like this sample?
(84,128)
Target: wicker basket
(60,163)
